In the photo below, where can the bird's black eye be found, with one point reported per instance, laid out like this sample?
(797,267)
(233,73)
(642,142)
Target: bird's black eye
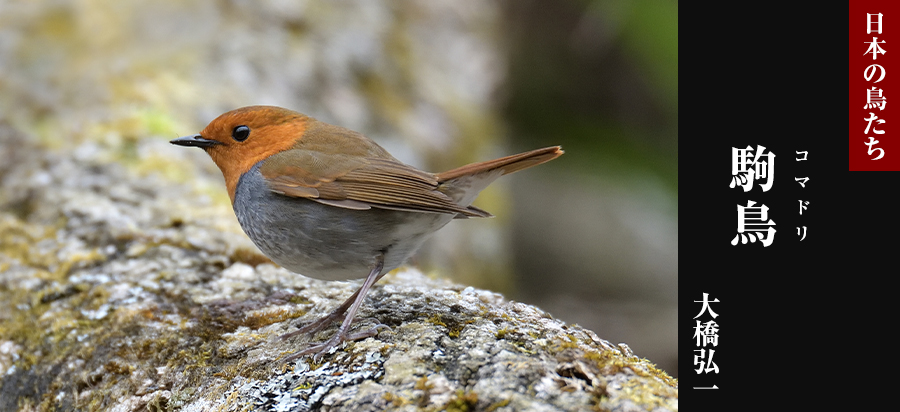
(240,133)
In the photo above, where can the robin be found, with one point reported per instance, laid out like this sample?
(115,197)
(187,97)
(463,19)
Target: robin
(329,203)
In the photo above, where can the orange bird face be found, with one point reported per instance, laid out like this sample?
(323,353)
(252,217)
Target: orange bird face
(239,139)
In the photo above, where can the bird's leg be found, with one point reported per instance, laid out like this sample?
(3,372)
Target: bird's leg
(323,322)
(347,310)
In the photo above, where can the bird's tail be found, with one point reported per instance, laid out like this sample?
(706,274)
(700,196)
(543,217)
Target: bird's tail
(508,164)
(464,183)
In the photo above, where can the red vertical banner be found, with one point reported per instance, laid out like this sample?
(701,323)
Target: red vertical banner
(874,72)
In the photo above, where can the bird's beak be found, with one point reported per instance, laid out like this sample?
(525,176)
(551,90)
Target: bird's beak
(194,140)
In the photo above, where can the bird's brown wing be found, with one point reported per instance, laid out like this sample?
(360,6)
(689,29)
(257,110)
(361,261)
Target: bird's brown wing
(361,183)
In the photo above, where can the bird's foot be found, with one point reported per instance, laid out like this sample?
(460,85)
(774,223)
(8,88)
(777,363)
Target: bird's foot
(347,311)
(320,349)
(318,325)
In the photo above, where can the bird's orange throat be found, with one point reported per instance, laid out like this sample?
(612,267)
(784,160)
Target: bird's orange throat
(236,158)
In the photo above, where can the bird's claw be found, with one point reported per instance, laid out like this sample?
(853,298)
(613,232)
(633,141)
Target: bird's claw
(316,326)
(320,349)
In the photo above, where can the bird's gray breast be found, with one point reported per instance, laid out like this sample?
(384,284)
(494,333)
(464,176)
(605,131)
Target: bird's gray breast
(323,241)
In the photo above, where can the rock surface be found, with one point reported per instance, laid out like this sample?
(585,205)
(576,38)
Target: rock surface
(122,291)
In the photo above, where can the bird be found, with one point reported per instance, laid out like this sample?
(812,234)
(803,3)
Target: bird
(329,203)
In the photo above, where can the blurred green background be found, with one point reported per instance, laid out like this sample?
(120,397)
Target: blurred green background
(591,237)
